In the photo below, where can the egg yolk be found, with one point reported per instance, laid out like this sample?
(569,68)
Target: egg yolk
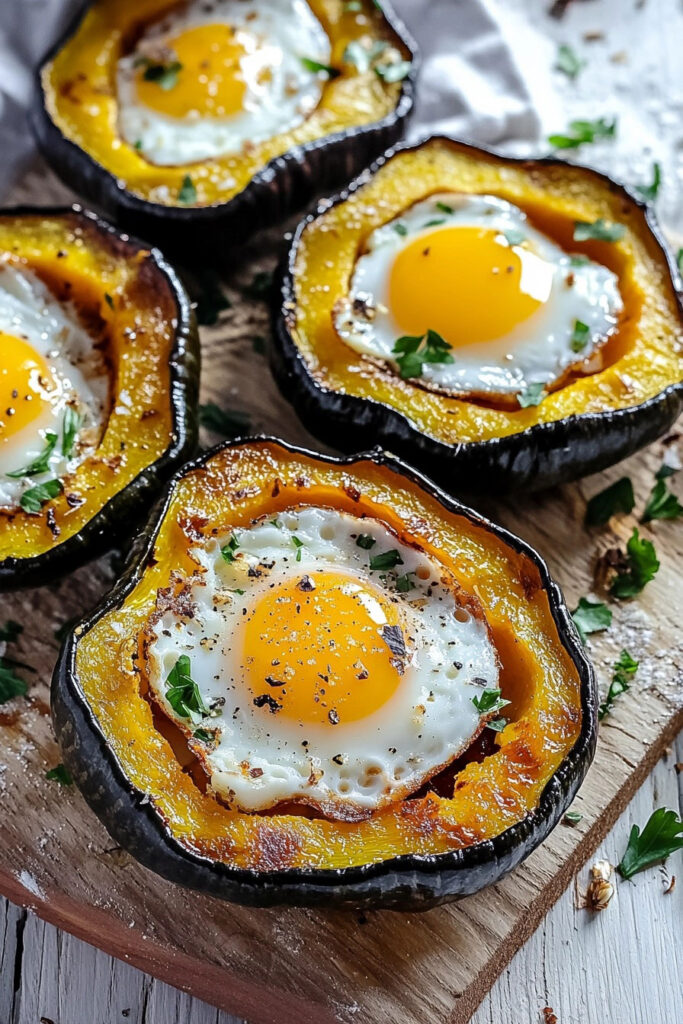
(202,73)
(467,283)
(25,379)
(315,650)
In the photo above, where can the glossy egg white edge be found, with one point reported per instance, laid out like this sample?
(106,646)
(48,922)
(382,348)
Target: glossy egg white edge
(278,35)
(30,311)
(349,769)
(538,351)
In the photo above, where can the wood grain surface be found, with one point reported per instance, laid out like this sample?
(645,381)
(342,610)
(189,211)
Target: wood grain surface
(311,966)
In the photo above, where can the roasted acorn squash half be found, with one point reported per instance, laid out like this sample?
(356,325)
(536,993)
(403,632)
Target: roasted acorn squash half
(142,731)
(480,435)
(127,113)
(99,382)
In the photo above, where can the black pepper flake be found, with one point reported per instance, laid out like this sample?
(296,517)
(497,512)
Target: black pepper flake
(306,584)
(363,674)
(264,699)
(479,680)
(256,773)
(333,716)
(338,759)
(393,637)
(274,682)
(457,664)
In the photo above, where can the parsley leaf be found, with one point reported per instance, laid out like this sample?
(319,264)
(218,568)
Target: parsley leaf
(679,261)
(600,230)
(404,583)
(618,497)
(662,835)
(164,74)
(41,464)
(228,550)
(584,131)
(352,6)
(444,207)
(365,541)
(400,229)
(591,617)
(573,817)
(362,57)
(568,62)
(394,72)
(662,504)
(70,426)
(182,693)
(623,671)
(642,567)
(11,685)
(533,394)
(298,544)
(664,471)
(413,351)
(188,192)
(580,336)
(10,631)
(317,68)
(386,560)
(650,192)
(59,774)
(497,724)
(513,236)
(34,498)
(488,701)
(204,735)
(228,422)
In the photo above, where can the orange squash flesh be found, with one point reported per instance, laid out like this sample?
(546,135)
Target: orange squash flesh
(642,359)
(81,263)
(81,99)
(240,483)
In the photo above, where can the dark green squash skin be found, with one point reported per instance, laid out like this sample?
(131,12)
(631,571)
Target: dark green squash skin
(544,455)
(115,520)
(286,184)
(409,882)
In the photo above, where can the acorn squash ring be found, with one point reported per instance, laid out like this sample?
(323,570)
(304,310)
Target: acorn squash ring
(167,436)
(406,882)
(530,453)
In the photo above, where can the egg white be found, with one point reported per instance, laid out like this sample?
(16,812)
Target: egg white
(286,32)
(258,759)
(30,311)
(537,351)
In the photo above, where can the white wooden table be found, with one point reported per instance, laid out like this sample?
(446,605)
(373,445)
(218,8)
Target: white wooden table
(623,966)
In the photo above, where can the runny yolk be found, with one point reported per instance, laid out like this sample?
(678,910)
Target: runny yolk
(24,380)
(319,656)
(209,79)
(467,284)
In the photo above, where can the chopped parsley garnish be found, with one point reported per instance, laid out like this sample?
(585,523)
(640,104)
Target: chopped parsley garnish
(405,583)
(394,72)
(34,498)
(532,395)
(70,426)
(352,6)
(623,671)
(650,192)
(11,685)
(11,631)
(204,735)
(365,541)
(164,74)
(662,836)
(513,236)
(664,471)
(573,817)
(228,550)
(182,693)
(228,422)
(444,207)
(591,617)
(618,497)
(317,68)
(600,230)
(662,504)
(361,57)
(108,299)
(298,544)
(579,261)
(413,351)
(188,192)
(437,222)
(489,701)
(42,463)
(642,567)
(679,261)
(211,301)
(59,774)
(261,285)
(580,336)
(580,132)
(137,144)
(400,229)
(568,61)
(497,724)
(386,560)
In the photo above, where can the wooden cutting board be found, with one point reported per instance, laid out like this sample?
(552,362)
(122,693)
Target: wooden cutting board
(308,966)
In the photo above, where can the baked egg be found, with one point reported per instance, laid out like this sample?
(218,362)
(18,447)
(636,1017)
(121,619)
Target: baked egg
(315,658)
(464,294)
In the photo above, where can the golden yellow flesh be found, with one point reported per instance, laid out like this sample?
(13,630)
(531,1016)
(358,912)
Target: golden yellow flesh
(81,264)
(643,358)
(80,94)
(538,676)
